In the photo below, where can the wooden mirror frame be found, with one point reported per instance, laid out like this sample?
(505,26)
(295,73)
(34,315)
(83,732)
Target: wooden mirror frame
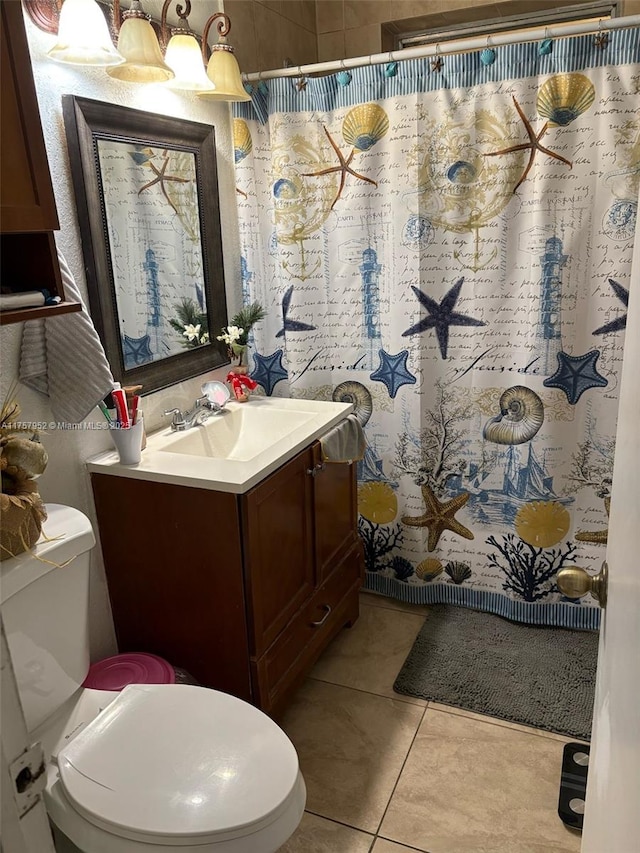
(87,121)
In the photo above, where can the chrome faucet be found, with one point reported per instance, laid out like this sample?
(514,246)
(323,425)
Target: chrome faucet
(202,410)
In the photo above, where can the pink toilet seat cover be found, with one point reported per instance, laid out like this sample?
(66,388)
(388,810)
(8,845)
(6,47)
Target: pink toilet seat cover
(116,672)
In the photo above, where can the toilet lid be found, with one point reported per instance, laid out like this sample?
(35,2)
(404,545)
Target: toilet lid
(169,760)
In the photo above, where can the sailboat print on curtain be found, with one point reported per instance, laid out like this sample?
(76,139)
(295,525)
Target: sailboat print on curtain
(450,237)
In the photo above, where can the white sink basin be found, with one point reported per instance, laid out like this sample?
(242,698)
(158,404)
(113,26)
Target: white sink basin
(230,452)
(241,433)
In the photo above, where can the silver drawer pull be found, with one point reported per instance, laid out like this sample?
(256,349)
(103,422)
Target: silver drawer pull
(327,609)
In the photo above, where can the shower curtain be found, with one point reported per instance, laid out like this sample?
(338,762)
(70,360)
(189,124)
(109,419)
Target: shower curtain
(447,244)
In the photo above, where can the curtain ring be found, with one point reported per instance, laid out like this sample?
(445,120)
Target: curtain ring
(436,63)
(488,55)
(390,59)
(343,76)
(301,82)
(601,40)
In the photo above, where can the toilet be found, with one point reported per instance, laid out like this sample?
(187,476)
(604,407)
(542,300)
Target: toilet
(151,767)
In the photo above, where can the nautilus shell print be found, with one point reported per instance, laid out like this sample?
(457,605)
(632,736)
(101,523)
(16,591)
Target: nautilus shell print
(301,204)
(521,416)
(458,187)
(564,97)
(365,125)
(242,142)
(359,395)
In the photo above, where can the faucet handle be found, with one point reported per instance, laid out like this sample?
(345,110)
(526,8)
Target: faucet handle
(178,421)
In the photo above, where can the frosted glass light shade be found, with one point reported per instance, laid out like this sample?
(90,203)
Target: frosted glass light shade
(184,58)
(83,36)
(224,72)
(138,44)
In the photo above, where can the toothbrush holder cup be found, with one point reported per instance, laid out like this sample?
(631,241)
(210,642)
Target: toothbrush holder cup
(128,443)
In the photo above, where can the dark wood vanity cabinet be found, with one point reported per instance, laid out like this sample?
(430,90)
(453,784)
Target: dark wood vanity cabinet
(243,591)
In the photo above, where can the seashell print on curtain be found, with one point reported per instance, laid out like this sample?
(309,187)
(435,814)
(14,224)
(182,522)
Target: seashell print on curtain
(450,250)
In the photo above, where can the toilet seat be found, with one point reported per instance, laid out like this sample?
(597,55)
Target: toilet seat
(179,765)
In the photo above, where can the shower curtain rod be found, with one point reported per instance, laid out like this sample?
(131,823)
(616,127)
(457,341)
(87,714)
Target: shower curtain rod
(450,47)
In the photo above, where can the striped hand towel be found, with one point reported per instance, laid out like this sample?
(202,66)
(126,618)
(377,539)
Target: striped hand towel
(63,358)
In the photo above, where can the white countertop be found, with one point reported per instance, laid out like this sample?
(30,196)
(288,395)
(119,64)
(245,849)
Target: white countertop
(160,465)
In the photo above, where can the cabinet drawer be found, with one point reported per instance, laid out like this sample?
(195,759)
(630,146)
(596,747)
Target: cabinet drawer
(307,634)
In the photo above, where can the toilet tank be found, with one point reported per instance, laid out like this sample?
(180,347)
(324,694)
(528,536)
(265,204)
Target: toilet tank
(44,597)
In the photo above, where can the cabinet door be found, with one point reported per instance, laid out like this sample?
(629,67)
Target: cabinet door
(277,524)
(27,199)
(172,558)
(334,492)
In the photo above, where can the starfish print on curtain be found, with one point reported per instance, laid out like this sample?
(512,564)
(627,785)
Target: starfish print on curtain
(576,374)
(441,316)
(268,370)
(439,516)
(289,325)
(393,371)
(533,145)
(344,167)
(620,322)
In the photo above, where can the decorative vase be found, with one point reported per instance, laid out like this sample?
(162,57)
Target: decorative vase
(241,384)
(238,351)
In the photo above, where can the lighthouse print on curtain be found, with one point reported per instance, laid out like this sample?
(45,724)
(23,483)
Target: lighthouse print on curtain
(447,245)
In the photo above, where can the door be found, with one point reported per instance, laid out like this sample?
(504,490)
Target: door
(25,828)
(612,813)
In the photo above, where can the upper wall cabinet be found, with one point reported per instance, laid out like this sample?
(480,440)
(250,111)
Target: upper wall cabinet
(27,205)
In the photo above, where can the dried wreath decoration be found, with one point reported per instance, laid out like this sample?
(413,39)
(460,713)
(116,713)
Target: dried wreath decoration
(21,459)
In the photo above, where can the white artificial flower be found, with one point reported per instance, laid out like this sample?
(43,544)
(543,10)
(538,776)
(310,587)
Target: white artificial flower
(232,335)
(204,338)
(191,332)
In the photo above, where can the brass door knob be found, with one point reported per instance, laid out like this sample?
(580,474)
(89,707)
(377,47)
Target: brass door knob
(575,582)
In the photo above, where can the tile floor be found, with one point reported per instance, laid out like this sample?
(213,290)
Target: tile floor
(390,774)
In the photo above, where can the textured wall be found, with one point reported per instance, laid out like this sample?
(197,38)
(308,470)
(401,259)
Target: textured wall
(66,480)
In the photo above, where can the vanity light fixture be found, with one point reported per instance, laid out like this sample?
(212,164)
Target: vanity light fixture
(139,55)
(222,69)
(138,44)
(83,36)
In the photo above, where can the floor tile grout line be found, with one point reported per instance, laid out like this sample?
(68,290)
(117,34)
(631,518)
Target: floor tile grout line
(397,698)
(494,721)
(413,740)
(342,823)
(408,846)
(490,721)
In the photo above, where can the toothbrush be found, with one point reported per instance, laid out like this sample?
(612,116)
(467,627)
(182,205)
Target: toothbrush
(120,400)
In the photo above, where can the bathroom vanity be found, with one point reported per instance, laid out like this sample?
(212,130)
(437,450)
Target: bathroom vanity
(240,570)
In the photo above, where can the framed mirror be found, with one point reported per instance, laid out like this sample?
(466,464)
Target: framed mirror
(146,190)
